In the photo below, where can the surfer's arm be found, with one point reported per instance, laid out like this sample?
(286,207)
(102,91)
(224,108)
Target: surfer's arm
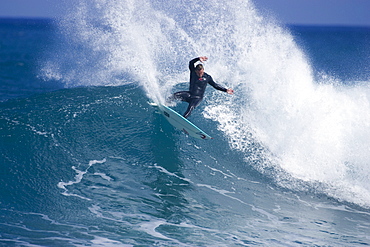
(192,63)
(215,85)
(218,87)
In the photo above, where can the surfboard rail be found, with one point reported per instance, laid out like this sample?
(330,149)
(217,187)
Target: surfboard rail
(181,123)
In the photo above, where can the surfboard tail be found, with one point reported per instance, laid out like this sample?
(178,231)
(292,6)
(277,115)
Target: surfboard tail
(181,123)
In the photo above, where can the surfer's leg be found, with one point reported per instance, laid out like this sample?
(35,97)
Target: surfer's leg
(182,95)
(192,104)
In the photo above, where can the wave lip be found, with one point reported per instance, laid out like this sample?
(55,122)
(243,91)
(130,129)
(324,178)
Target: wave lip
(293,121)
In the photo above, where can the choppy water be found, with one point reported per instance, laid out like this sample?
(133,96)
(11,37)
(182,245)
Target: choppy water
(86,161)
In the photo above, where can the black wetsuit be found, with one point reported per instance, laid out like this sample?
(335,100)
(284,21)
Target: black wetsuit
(196,89)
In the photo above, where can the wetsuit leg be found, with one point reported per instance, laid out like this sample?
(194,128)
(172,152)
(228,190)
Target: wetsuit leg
(182,95)
(194,102)
(186,96)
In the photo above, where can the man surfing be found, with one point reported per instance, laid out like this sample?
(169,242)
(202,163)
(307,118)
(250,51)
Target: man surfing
(198,83)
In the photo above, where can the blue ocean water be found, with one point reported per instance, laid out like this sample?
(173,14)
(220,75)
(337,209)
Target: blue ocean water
(85,161)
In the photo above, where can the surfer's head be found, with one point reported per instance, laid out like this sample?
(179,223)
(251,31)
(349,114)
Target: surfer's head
(199,70)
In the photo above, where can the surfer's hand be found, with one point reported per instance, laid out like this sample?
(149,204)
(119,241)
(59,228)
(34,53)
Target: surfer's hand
(230,91)
(203,59)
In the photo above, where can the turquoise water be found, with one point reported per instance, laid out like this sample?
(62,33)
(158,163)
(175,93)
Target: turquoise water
(86,161)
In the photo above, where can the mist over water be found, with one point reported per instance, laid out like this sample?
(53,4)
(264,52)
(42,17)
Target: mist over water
(304,131)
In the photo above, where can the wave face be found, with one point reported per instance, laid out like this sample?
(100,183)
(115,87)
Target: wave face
(97,166)
(93,164)
(309,129)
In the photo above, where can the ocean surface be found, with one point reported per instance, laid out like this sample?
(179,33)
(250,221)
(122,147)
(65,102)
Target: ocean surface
(86,161)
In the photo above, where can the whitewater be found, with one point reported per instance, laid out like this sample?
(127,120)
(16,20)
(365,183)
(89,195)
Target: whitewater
(288,166)
(312,130)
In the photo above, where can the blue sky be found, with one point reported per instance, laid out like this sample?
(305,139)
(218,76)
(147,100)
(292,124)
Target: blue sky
(310,12)
(317,12)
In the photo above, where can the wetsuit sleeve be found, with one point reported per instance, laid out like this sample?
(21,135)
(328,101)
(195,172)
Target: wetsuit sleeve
(216,86)
(192,62)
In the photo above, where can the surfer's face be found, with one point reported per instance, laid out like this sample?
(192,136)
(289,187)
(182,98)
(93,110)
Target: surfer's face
(200,72)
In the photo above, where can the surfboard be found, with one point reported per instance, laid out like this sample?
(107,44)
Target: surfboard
(181,123)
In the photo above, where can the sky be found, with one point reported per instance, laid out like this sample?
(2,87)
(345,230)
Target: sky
(318,12)
(299,12)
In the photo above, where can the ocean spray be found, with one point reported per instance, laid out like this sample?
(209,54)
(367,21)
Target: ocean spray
(303,132)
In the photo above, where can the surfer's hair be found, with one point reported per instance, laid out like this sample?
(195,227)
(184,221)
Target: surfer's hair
(199,67)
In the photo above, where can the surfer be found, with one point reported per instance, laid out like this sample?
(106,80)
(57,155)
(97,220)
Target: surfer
(198,83)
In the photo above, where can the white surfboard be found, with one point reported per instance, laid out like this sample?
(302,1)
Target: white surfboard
(181,123)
